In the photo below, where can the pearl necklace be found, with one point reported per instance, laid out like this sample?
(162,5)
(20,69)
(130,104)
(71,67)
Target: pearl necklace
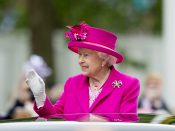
(95,90)
(99,85)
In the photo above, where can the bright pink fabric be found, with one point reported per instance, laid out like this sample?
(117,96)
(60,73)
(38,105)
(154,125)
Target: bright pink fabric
(75,99)
(95,39)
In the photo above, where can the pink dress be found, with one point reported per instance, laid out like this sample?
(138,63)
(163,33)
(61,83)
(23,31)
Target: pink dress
(114,102)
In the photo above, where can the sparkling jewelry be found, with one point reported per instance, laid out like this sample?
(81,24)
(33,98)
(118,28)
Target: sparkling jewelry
(117,83)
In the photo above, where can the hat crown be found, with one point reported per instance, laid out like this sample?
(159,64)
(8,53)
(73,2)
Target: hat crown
(84,32)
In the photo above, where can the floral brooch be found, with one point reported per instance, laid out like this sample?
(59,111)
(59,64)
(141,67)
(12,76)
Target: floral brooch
(117,84)
(77,32)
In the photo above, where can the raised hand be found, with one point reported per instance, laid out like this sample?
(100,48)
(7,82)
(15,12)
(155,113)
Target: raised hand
(37,86)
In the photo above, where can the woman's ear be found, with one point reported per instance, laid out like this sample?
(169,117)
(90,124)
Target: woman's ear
(103,63)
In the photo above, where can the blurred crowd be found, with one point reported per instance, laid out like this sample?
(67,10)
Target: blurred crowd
(22,101)
(151,100)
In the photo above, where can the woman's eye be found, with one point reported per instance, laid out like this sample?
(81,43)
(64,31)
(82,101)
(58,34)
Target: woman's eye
(85,55)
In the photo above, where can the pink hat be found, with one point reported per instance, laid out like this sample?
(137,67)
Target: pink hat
(85,36)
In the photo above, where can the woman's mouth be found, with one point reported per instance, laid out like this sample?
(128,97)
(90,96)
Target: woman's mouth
(84,67)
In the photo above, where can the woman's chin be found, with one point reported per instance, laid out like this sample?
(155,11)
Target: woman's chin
(85,73)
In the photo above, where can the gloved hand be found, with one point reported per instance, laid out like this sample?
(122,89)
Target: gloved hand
(37,86)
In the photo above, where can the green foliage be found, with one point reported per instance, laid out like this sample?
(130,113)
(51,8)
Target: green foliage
(2,3)
(115,15)
(22,16)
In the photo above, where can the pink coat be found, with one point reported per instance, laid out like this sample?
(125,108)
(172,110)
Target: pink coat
(113,103)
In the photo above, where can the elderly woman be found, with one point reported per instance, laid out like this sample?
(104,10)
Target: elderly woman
(100,89)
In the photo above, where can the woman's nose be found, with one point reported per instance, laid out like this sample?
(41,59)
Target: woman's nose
(80,59)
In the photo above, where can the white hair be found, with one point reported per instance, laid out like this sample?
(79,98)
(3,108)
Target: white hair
(110,60)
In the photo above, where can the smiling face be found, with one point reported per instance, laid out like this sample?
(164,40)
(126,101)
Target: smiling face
(90,62)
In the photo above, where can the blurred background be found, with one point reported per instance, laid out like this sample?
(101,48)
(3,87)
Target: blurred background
(32,35)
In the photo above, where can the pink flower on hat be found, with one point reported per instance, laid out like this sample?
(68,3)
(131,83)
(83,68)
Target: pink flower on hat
(77,32)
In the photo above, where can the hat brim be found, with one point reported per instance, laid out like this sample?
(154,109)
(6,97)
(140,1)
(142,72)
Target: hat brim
(74,45)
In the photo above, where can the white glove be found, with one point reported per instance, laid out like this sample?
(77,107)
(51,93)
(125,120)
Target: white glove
(37,86)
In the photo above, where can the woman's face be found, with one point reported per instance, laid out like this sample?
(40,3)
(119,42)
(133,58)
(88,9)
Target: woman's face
(89,61)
